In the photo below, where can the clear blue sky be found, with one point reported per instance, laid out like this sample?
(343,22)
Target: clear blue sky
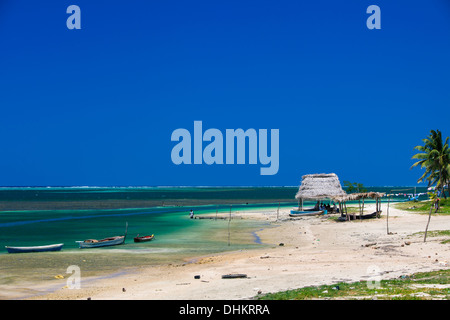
(97,106)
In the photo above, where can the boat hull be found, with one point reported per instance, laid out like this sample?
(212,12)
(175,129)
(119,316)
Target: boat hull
(295,213)
(102,243)
(358,216)
(51,247)
(144,239)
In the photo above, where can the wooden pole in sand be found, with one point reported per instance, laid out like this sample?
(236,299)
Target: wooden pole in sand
(362,211)
(379,207)
(387,214)
(278,210)
(376,206)
(344,207)
(229,221)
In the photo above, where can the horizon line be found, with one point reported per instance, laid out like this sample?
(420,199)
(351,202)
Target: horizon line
(196,186)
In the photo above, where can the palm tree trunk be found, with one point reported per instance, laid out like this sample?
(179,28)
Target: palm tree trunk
(448,187)
(442,183)
(426,229)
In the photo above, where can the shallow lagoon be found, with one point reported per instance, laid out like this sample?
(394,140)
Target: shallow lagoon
(177,239)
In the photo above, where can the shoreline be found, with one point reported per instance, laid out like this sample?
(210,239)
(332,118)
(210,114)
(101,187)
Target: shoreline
(315,251)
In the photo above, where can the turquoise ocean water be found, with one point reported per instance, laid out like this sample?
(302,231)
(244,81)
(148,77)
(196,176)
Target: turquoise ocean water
(68,214)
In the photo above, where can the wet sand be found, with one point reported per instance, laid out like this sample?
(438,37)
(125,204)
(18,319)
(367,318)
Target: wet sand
(315,251)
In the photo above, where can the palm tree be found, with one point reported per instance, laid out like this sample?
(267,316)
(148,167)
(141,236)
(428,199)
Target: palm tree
(448,179)
(354,187)
(349,186)
(434,157)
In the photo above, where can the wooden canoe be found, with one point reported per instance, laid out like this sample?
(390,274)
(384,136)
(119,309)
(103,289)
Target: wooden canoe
(93,243)
(111,241)
(357,216)
(50,247)
(234,276)
(143,238)
(295,213)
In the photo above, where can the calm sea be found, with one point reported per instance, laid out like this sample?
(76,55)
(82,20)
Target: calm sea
(44,215)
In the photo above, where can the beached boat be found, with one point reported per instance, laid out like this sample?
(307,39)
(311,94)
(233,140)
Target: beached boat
(297,213)
(111,241)
(143,238)
(50,247)
(357,216)
(234,276)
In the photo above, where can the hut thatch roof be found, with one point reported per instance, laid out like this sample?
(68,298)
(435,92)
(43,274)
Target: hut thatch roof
(358,196)
(320,186)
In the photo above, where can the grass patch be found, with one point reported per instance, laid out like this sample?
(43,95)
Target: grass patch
(419,286)
(423,207)
(353,209)
(435,233)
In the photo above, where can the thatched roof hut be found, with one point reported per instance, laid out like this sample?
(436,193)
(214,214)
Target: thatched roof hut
(359,196)
(327,186)
(320,186)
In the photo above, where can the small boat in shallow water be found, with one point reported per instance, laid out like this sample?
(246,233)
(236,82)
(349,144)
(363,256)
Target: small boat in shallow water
(143,238)
(93,243)
(111,241)
(46,248)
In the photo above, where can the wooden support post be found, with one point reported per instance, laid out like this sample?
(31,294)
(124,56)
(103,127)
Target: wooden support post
(379,207)
(376,207)
(278,210)
(362,211)
(229,221)
(387,215)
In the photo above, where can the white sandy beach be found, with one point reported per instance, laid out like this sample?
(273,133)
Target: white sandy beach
(315,251)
